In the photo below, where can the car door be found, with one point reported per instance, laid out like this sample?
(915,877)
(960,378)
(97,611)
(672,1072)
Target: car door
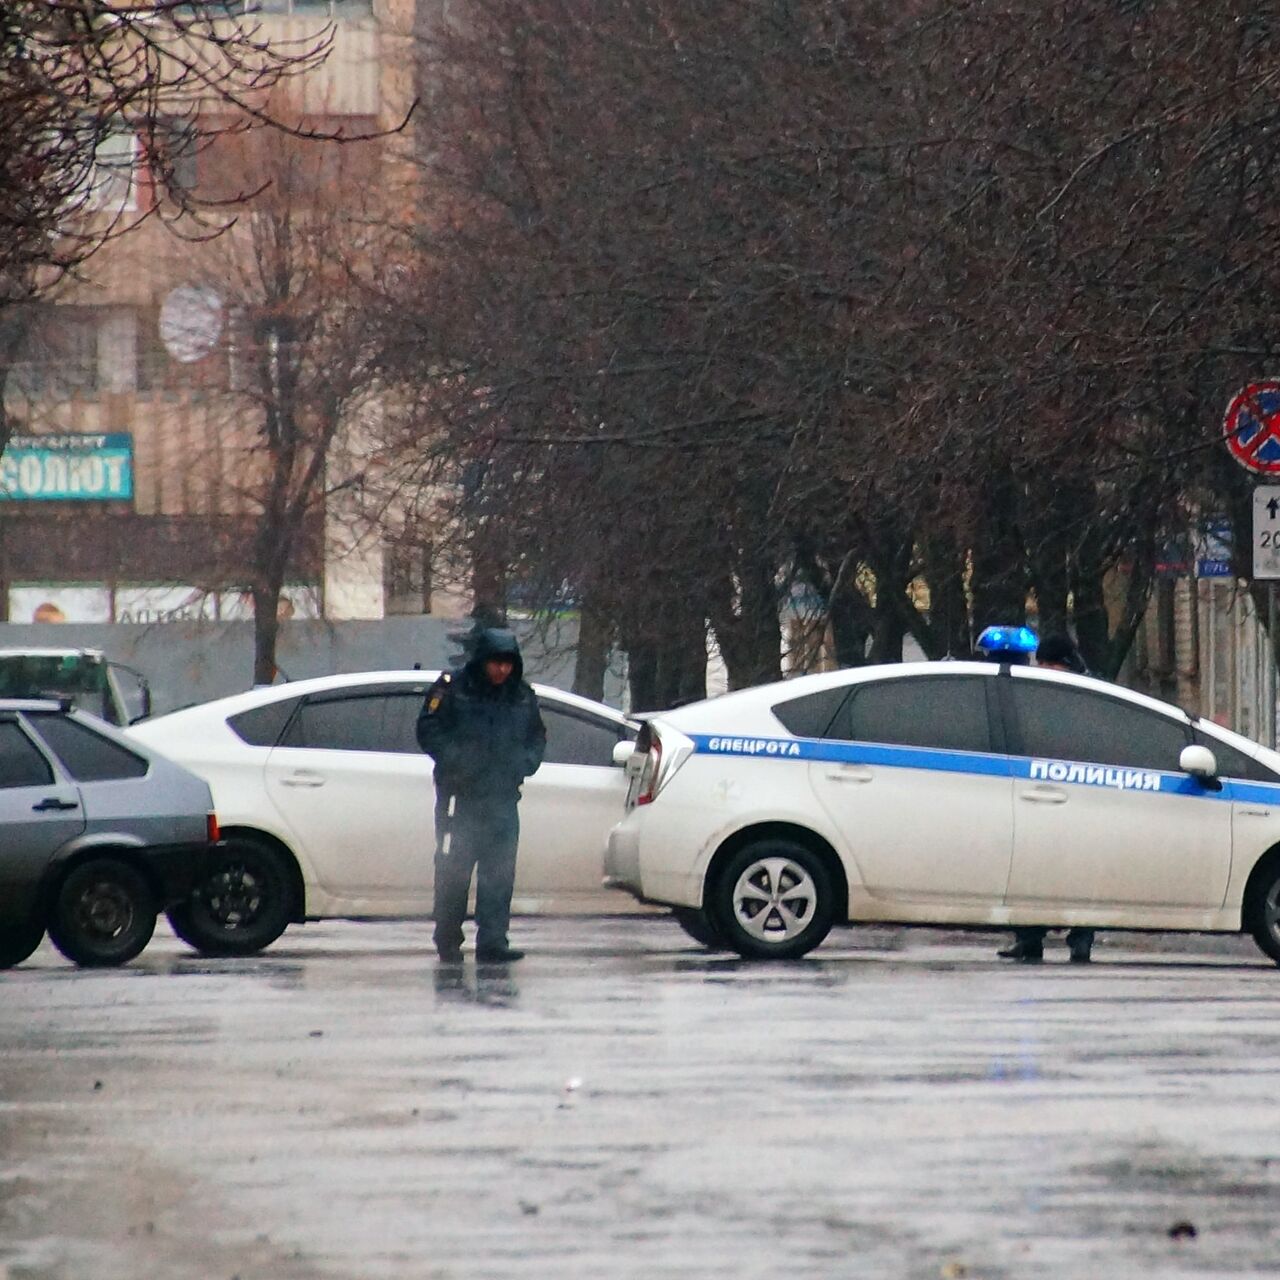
(569,806)
(920,790)
(39,813)
(1103,814)
(1255,799)
(350,782)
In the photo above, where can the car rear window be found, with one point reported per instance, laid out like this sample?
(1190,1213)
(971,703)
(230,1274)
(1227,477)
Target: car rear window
(85,754)
(21,764)
(262,726)
(811,715)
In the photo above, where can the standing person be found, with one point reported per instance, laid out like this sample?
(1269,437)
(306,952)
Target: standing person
(482,728)
(1057,653)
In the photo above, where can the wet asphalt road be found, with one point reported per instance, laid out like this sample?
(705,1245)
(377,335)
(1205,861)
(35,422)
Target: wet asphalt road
(900,1104)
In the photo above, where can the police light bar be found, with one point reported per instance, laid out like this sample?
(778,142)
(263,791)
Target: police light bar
(1008,640)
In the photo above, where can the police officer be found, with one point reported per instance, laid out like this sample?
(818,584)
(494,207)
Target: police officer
(1057,653)
(482,728)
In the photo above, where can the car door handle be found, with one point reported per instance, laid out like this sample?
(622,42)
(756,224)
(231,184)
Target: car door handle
(52,802)
(1256,813)
(1044,795)
(302,779)
(850,773)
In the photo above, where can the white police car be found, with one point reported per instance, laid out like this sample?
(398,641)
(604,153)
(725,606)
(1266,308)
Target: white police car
(947,793)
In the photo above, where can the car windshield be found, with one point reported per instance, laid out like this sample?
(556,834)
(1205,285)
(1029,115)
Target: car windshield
(80,677)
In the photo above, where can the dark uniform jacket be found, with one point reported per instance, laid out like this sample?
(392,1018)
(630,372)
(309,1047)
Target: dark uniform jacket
(485,738)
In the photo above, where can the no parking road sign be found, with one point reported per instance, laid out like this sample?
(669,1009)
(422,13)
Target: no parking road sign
(1252,427)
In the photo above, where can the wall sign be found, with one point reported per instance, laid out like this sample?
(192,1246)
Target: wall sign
(68,468)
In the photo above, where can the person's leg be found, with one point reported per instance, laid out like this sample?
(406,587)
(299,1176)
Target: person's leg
(1080,943)
(454,861)
(1028,944)
(495,879)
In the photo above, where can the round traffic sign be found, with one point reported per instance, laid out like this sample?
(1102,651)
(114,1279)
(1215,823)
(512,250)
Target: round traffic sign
(1252,427)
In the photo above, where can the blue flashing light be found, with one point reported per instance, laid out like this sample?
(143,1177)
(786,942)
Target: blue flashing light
(1008,640)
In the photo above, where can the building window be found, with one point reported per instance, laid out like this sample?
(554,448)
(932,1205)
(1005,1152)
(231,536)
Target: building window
(60,355)
(113,184)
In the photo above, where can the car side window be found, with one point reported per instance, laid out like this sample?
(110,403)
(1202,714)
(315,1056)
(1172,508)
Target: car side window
(358,722)
(1062,723)
(575,737)
(21,764)
(85,754)
(944,712)
(1233,763)
(811,714)
(262,726)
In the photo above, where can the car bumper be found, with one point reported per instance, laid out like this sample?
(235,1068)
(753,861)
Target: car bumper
(622,860)
(176,869)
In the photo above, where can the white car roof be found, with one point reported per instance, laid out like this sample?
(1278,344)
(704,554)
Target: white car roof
(266,694)
(747,708)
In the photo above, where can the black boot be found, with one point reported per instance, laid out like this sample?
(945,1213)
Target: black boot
(1080,944)
(498,955)
(1023,949)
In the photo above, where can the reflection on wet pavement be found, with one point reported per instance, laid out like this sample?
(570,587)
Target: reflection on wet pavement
(620,1103)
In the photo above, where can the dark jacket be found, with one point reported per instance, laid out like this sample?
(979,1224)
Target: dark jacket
(485,738)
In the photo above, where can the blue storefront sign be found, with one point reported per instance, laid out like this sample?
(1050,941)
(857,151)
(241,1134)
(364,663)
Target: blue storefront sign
(68,468)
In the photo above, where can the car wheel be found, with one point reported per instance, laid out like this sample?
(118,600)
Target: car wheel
(1262,910)
(697,924)
(773,900)
(242,906)
(17,942)
(104,913)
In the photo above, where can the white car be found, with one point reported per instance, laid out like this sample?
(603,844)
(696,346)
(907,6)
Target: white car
(326,803)
(949,793)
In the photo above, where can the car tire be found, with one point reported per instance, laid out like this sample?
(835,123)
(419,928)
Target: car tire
(242,906)
(103,915)
(773,900)
(18,942)
(1262,908)
(697,924)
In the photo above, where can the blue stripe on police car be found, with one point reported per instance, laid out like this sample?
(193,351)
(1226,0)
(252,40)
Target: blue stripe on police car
(1067,772)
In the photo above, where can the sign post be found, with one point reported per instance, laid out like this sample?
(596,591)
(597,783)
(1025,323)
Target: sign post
(1266,568)
(1251,427)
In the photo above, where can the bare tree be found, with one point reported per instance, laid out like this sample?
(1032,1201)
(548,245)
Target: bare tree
(932,307)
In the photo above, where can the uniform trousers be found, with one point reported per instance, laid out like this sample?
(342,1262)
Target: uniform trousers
(475,833)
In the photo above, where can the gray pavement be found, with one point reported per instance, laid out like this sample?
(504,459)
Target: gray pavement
(901,1104)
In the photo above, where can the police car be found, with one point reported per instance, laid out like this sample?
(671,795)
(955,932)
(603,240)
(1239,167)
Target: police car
(949,793)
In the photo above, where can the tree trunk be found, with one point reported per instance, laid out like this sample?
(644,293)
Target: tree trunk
(999,576)
(851,624)
(266,629)
(642,676)
(592,658)
(947,634)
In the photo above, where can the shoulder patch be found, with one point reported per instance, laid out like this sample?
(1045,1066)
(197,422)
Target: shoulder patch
(436,696)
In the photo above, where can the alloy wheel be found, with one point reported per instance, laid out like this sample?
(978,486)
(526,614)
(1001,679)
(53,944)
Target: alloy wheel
(774,900)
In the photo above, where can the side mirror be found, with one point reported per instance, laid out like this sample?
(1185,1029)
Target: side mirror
(1199,762)
(623,751)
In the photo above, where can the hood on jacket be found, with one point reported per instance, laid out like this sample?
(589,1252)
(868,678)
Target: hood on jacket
(497,642)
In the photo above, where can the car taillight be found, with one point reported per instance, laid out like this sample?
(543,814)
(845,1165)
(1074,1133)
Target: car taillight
(211,828)
(651,772)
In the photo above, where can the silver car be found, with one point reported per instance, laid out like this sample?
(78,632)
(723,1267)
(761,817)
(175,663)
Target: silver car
(97,835)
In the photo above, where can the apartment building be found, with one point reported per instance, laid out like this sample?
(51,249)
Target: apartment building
(134,481)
